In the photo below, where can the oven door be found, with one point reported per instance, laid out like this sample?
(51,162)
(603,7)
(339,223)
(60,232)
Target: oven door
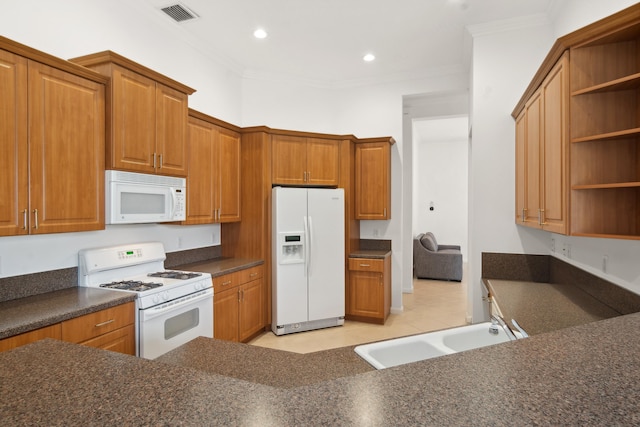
(169,325)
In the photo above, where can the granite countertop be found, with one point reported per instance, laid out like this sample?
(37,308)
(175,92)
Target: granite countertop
(544,307)
(221,266)
(582,375)
(34,312)
(37,311)
(370,253)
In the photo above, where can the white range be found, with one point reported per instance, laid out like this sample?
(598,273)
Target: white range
(173,307)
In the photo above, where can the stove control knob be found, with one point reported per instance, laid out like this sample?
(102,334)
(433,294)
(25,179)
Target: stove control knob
(156,299)
(165,296)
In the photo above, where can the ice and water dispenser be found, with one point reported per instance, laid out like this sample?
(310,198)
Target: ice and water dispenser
(291,248)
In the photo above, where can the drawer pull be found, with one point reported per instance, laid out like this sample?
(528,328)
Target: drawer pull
(253,274)
(105,323)
(228,282)
(365,265)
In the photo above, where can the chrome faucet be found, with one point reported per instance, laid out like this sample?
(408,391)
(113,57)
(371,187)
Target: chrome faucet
(499,321)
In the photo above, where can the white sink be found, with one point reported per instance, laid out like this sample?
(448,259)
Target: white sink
(385,354)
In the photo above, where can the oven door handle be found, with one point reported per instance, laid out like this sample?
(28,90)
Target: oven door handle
(166,307)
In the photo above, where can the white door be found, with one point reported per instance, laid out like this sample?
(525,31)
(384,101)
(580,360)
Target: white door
(326,253)
(289,287)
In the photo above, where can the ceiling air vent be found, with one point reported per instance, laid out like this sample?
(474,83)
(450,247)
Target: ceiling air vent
(179,12)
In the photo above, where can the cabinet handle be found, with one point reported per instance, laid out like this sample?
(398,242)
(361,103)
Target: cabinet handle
(385,212)
(304,176)
(240,295)
(35,214)
(24,219)
(365,265)
(253,274)
(541,217)
(228,282)
(160,167)
(105,323)
(523,213)
(308,176)
(154,160)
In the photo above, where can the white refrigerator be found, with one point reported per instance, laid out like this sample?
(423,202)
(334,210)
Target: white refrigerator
(308,259)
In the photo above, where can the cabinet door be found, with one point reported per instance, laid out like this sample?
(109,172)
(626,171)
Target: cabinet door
(520,168)
(201,178)
(533,117)
(121,340)
(133,121)
(66,151)
(229,175)
(554,158)
(372,181)
(366,294)
(225,315)
(14,182)
(289,160)
(53,331)
(322,162)
(171,131)
(251,309)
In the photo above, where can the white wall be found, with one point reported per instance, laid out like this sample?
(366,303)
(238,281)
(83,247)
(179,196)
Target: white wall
(441,177)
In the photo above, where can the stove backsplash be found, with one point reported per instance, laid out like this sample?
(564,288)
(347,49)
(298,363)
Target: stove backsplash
(49,281)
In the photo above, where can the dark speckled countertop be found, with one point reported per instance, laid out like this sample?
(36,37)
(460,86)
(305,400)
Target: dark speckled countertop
(373,254)
(587,375)
(220,266)
(34,312)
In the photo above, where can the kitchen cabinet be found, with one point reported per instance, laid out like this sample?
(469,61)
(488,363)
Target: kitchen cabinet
(53,331)
(238,313)
(110,329)
(541,154)
(372,190)
(369,289)
(605,133)
(299,160)
(148,131)
(213,182)
(52,139)
(590,124)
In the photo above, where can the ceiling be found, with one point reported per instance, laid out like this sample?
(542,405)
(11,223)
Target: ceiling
(323,41)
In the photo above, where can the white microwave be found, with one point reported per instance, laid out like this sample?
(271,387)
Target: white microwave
(135,198)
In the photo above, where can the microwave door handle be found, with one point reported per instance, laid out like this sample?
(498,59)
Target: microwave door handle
(174,202)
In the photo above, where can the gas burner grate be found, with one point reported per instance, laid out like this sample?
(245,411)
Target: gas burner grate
(132,285)
(180,275)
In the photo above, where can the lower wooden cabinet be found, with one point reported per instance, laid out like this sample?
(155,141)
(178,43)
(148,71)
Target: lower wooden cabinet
(238,305)
(369,290)
(109,329)
(52,331)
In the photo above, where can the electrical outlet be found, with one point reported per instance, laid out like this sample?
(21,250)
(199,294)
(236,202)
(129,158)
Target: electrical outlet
(553,245)
(376,232)
(605,261)
(179,242)
(568,251)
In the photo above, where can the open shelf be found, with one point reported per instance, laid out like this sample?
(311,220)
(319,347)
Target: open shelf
(623,83)
(621,134)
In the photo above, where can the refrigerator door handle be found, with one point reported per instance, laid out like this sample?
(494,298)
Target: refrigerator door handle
(306,246)
(310,241)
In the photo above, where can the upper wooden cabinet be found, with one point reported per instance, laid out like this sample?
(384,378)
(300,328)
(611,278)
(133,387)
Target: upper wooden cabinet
(148,131)
(213,182)
(595,113)
(541,154)
(299,160)
(372,190)
(52,139)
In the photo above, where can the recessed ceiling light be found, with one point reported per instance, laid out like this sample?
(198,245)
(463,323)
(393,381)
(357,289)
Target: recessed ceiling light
(260,33)
(369,57)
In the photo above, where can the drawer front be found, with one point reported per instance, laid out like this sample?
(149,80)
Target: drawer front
(95,324)
(250,274)
(121,340)
(52,331)
(228,281)
(366,264)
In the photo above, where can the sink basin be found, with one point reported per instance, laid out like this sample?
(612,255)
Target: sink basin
(398,351)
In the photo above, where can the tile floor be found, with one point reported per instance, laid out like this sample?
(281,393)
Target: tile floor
(433,305)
